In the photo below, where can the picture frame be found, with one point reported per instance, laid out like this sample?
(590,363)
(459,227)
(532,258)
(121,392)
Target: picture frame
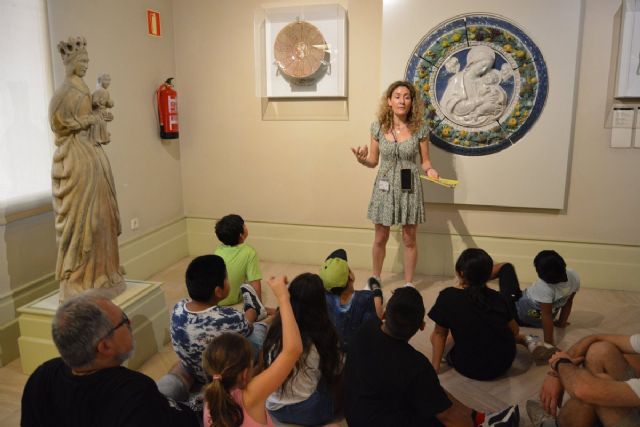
(301,51)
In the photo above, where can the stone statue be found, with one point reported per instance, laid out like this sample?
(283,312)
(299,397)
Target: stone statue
(473,96)
(87,220)
(101,101)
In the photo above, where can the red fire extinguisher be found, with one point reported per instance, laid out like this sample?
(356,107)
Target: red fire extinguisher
(167,99)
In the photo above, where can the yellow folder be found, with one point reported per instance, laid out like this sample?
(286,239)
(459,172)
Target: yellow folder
(449,183)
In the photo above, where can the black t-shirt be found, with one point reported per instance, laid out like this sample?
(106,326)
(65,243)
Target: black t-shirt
(484,345)
(389,383)
(53,396)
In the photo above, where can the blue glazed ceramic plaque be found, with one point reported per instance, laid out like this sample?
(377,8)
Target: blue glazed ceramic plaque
(483,81)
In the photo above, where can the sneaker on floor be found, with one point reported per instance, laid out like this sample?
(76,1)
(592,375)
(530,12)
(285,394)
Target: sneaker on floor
(251,300)
(374,285)
(542,353)
(508,417)
(532,341)
(409,285)
(536,413)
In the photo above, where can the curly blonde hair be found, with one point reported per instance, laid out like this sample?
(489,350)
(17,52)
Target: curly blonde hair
(415,117)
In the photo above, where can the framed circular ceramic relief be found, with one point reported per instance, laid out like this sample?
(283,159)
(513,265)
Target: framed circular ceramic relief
(300,50)
(483,80)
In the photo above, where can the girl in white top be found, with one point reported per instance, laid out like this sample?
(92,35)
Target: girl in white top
(307,396)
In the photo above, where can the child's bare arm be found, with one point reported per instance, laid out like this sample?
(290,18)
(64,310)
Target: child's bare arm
(257,285)
(546,311)
(438,342)
(565,312)
(261,386)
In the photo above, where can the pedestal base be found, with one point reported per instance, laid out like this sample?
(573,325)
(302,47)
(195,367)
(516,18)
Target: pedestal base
(143,302)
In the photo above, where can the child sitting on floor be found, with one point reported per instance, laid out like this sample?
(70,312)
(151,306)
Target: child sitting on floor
(348,308)
(241,259)
(550,295)
(479,319)
(235,397)
(390,383)
(308,396)
(197,320)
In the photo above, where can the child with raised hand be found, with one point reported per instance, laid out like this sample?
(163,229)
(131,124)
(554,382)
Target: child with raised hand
(481,322)
(309,394)
(235,397)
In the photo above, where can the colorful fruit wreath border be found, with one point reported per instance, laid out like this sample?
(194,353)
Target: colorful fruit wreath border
(527,90)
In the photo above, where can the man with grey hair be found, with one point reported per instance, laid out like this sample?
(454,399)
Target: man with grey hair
(87,385)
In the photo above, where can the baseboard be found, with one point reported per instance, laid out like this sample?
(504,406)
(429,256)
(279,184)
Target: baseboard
(141,257)
(613,267)
(154,251)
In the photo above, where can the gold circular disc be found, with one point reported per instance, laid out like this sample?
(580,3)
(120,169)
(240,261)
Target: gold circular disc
(299,49)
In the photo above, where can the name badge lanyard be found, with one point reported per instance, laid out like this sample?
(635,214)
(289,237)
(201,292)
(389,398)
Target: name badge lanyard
(396,152)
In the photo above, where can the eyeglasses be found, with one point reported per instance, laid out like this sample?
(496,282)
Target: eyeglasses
(125,321)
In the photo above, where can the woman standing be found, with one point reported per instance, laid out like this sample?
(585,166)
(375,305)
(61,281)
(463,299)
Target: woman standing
(398,137)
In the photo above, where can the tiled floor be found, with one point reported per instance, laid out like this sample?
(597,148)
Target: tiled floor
(593,311)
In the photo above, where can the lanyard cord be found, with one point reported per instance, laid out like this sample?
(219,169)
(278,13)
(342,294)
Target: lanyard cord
(396,152)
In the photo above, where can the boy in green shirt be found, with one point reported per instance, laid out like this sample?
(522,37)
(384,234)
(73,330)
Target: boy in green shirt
(241,259)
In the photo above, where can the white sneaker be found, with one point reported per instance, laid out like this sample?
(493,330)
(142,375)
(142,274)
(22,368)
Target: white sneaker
(508,417)
(541,351)
(251,300)
(536,413)
(532,341)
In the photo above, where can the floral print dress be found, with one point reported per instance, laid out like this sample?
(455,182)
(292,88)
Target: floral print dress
(393,206)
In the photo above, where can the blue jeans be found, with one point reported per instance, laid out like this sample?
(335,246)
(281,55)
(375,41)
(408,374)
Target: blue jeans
(172,386)
(257,336)
(317,409)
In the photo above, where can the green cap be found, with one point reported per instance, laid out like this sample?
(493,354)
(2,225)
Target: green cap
(334,271)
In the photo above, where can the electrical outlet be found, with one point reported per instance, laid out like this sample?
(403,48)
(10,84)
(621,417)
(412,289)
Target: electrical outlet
(135,223)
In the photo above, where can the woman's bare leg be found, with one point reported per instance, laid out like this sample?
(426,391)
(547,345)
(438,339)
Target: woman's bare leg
(409,232)
(379,248)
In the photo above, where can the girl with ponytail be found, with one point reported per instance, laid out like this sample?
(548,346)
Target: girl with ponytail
(481,322)
(234,397)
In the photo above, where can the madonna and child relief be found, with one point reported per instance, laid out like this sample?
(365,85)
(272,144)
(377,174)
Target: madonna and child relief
(473,96)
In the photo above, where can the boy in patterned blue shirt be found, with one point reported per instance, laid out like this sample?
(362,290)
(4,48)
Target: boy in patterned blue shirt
(196,320)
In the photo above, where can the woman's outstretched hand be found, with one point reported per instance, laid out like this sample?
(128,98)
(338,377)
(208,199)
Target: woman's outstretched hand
(361,153)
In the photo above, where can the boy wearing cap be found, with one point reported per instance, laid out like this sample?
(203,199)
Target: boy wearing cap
(348,308)
(549,296)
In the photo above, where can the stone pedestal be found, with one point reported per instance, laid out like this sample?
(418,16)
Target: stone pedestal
(143,302)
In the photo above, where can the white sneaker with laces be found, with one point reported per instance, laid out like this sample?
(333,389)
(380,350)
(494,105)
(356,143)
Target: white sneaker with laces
(251,300)
(508,417)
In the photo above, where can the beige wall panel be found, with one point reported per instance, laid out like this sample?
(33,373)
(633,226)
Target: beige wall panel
(291,171)
(599,266)
(27,252)
(301,172)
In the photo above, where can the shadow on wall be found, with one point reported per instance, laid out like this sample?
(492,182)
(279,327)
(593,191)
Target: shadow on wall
(438,251)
